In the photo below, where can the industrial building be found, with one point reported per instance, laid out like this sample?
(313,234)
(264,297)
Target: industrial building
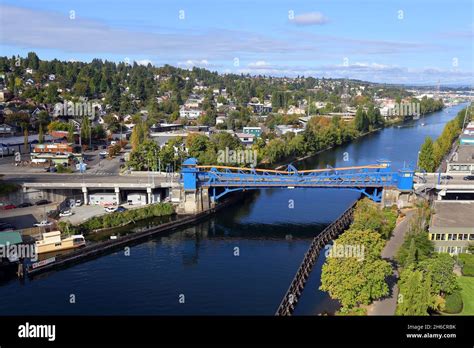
(452,226)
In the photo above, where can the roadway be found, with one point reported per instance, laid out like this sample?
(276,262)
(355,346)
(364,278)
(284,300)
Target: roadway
(82,178)
(430,180)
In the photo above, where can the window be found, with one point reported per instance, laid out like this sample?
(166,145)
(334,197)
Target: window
(439,236)
(454,168)
(450,236)
(452,250)
(471,236)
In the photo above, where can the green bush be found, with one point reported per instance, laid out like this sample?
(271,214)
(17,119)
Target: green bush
(118,219)
(62,169)
(467,263)
(453,303)
(6,188)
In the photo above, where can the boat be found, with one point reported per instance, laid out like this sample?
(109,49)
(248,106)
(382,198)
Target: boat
(52,241)
(422,124)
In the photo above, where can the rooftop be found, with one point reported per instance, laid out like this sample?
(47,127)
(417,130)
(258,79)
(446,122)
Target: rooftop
(453,214)
(464,154)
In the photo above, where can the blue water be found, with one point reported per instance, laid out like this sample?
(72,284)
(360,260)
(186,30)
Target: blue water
(199,262)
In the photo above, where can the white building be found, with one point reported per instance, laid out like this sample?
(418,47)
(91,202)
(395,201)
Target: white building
(190,113)
(283,129)
(246,139)
(103,198)
(220,120)
(136,198)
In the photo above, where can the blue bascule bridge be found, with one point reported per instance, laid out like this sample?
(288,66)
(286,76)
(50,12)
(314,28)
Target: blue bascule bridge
(369,180)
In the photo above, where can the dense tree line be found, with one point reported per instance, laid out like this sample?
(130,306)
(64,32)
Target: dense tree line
(360,278)
(432,153)
(426,277)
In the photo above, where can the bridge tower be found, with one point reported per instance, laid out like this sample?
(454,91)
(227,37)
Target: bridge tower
(193,198)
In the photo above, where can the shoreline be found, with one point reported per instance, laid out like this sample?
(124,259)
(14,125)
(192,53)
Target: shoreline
(98,249)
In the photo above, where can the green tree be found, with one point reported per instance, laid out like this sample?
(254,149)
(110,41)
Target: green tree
(440,269)
(145,156)
(70,133)
(25,139)
(33,61)
(40,134)
(360,278)
(415,296)
(361,121)
(368,215)
(426,156)
(85,130)
(355,282)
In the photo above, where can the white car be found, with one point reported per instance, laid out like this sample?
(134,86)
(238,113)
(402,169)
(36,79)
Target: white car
(110,209)
(43,223)
(65,213)
(78,203)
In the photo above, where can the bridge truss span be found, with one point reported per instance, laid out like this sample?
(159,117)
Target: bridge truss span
(369,180)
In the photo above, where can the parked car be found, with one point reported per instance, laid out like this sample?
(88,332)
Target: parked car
(51,169)
(446,177)
(103,154)
(24,205)
(78,203)
(122,160)
(43,223)
(42,202)
(9,206)
(120,209)
(469,177)
(65,213)
(6,227)
(110,209)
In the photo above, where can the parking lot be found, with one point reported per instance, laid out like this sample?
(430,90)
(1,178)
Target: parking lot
(26,217)
(95,165)
(82,213)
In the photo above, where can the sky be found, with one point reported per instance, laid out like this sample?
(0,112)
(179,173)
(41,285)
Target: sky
(403,42)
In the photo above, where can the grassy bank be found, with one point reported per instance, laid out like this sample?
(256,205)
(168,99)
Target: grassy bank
(118,219)
(467,294)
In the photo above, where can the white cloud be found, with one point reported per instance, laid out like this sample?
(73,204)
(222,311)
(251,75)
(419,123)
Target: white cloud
(197,63)
(374,72)
(310,18)
(259,64)
(144,62)
(53,30)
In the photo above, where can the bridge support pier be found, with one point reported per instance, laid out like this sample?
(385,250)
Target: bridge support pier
(392,197)
(194,201)
(86,196)
(117,194)
(148,193)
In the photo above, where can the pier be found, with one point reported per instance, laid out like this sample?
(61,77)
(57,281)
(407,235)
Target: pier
(292,295)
